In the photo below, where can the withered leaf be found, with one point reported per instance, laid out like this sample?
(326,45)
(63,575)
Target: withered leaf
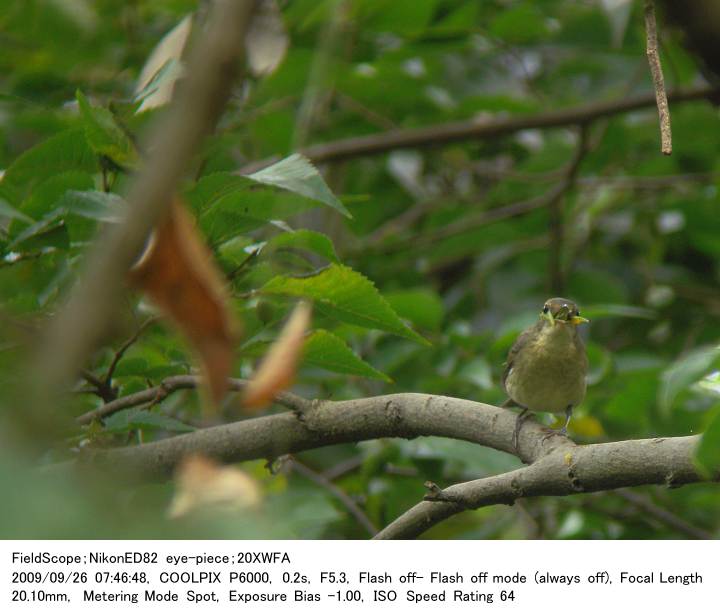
(179,275)
(203,485)
(277,369)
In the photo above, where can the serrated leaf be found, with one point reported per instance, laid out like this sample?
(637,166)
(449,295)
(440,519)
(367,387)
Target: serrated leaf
(707,455)
(134,419)
(326,350)
(104,135)
(344,294)
(228,205)
(66,151)
(683,373)
(297,174)
(313,241)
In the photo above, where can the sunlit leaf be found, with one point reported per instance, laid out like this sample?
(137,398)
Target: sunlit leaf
(162,69)
(687,370)
(297,174)
(346,295)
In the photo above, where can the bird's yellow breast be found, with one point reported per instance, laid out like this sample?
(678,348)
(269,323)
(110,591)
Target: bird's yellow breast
(548,375)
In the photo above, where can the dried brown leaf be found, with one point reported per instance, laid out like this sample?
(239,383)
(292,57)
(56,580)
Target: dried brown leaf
(179,275)
(204,485)
(277,369)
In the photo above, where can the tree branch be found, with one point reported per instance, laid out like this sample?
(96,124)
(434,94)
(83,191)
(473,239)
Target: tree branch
(557,465)
(467,130)
(356,512)
(569,469)
(657,77)
(171,384)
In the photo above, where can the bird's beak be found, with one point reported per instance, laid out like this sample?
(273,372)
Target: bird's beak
(577,320)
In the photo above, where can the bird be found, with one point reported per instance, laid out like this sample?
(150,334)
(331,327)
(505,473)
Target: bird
(546,367)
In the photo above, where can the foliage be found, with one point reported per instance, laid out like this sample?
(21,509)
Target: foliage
(415,288)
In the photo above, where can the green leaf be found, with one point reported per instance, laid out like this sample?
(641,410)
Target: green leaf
(478,372)
(90,204)
(104,135)
(313,241)
(8,211)
(326,350)
(46,194)
(228,205)
(707,455)
(683,373)
(66,151)
(422,307)
(93,205)
(48,231)
(346,295)
(297,174)
(133,419)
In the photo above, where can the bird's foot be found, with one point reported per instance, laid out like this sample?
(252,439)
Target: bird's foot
(550,433)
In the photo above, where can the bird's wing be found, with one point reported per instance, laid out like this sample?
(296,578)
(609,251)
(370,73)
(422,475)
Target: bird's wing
(514,349)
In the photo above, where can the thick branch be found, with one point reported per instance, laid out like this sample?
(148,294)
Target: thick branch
(467,130)
(318,424)
(570,469)
(558,466)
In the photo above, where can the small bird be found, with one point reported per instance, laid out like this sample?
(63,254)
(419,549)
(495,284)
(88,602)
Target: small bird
(546,367)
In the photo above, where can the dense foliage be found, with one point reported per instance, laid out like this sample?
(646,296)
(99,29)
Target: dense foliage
(424,263)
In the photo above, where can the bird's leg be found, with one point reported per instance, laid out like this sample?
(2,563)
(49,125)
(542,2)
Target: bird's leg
(522,416)
(562,431)
(568,416)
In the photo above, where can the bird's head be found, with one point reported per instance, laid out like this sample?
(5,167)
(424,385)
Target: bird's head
(559,310)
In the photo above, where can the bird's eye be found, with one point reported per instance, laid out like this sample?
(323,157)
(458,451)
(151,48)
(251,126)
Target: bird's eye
(545,309)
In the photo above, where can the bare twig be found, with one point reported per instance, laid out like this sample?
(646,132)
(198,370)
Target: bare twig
(328,485)
(81,323)
(473,129)
(668,518)
(107,378)
(657,77)
(172,384)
